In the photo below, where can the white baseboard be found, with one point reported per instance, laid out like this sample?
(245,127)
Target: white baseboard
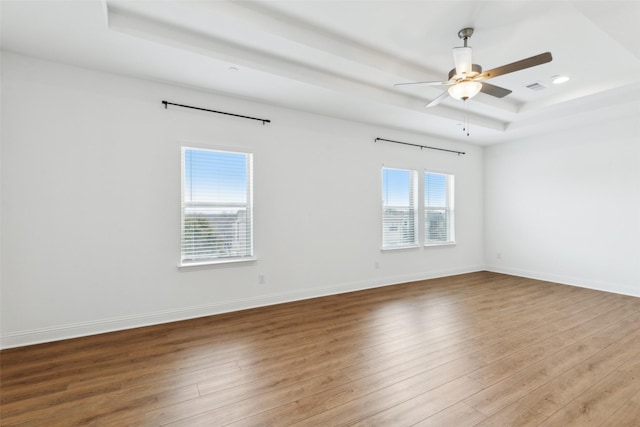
(567,280)
(61,332)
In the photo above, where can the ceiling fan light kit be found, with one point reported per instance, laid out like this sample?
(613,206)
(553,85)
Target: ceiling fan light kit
(465,90)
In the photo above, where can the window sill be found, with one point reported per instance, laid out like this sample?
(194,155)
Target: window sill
(399,248)
(431,245)
(216,263)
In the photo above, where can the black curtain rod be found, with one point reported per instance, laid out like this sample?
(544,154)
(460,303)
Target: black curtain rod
(421,146)
(167,103)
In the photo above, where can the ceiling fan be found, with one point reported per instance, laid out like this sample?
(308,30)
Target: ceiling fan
(467,79)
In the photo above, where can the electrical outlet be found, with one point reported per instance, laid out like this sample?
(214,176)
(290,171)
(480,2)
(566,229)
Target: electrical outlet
(498,255)
(377,265)
(261,279)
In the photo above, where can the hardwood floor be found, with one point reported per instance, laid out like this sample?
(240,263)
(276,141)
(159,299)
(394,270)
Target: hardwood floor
(479,349)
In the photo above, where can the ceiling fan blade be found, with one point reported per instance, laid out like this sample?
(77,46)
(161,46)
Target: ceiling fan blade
(493,90)
(543,58)
(424,83)
(438,100)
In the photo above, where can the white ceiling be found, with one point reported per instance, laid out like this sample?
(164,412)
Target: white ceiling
(341,58)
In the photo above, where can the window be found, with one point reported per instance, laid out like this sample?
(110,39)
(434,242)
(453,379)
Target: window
(399,213)
(438,209)
(216,206)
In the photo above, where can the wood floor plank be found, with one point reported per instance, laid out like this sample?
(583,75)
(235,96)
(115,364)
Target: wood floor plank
(420,407)
(238,403)
(459,415)
(567,386)
(600,402)
(474,349)
(628,415)
(635,400)
(97,409)
(445,379)
(591,336)
(513,415)
(384,388)
(526,381)
(498,396)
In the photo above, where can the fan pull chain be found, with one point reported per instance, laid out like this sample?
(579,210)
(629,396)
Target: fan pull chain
(465,126)
(468,130)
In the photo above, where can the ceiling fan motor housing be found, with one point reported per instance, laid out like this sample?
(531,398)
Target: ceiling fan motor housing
(475,71)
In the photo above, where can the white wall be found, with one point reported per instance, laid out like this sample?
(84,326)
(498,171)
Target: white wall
(91,216)
(566,207)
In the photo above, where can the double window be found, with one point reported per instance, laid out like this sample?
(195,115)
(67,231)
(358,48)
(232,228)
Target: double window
(217,223)
(400,225)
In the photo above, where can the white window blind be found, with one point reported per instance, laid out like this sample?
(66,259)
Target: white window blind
(216,206)
(438,208)
(399,208)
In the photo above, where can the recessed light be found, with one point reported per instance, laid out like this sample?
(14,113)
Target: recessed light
(556,80)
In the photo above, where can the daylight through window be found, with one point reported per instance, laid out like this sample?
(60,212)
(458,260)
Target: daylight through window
(438,209)
(399,208)
(216,206)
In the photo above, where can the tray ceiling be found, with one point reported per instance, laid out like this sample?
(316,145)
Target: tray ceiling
(341,58)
